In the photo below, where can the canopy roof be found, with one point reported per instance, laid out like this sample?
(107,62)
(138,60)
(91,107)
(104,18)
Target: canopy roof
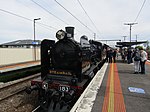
(129,44)
(22,42)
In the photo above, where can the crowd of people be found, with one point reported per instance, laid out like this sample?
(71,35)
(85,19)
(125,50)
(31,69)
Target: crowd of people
(111,55)
(140,57)
(137,56)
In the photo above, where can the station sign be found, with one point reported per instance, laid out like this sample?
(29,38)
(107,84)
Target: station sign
(34,43)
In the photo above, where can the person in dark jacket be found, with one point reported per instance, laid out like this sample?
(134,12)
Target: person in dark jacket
(107,53)
(129,55)
(114,55)
(136,58)
(110,55)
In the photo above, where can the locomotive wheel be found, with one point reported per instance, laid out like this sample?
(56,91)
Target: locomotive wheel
(58,107)
(54,102)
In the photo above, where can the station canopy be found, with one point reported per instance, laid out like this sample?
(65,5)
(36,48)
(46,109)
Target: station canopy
(129,44)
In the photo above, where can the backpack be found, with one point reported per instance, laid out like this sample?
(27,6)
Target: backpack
(137,57)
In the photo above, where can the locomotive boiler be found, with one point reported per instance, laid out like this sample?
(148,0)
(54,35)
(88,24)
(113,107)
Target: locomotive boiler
(67,67)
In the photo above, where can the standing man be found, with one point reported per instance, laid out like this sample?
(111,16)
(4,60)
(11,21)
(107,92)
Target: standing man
(107,53)
(143,56)
(129,53)
(110,55)
(114,55)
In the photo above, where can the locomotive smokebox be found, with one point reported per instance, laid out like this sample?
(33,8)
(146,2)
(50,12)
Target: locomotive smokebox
(70,32)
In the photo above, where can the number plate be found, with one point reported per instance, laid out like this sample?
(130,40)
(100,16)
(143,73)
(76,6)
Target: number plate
(64,88)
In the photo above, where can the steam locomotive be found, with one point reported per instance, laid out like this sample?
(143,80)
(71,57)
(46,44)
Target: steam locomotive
(67,67)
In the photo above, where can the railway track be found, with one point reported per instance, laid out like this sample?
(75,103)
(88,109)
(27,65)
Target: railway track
(15,87)
(36,109)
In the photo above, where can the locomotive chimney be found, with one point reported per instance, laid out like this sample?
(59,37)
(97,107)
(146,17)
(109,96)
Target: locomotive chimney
(70,32)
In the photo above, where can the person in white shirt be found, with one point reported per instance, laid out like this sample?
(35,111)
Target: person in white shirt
(143,56)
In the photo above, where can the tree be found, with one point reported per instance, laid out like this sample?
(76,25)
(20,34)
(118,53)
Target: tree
(139,47)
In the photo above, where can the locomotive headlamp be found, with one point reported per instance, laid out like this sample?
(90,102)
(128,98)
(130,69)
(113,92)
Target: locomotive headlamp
(60,34)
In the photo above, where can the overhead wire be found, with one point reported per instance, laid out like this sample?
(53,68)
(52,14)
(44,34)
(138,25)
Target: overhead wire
(140,11)
(74,16)
(17,15)
(87,15)
(49,12)
(41,24)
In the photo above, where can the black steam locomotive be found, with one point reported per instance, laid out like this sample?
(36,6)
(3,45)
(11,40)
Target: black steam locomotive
(66,68)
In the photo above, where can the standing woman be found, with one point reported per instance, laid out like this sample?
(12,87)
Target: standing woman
(143,56)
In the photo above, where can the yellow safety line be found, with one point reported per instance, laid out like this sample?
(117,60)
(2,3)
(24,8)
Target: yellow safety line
(113,102)
(111,91)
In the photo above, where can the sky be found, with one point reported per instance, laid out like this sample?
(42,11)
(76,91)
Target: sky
(105,18)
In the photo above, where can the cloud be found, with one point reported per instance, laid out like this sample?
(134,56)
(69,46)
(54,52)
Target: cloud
(108,16)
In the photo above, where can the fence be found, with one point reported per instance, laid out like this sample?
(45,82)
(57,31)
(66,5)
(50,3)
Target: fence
(18,55)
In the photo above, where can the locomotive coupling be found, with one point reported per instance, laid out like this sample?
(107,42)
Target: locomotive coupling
(30,89)
(69,96)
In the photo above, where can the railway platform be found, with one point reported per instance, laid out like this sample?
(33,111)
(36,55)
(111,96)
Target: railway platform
(17,66)
(117,89)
